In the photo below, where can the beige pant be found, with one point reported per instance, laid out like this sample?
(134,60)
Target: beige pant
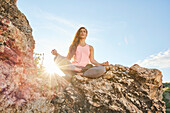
(68,68)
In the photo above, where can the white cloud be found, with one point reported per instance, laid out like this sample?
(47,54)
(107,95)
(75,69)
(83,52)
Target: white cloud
(63,27)
(55,28)
(59,20)
(55,23)
(161,60)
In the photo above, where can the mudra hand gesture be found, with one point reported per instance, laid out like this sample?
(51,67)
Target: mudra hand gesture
(54,52)
(105,63)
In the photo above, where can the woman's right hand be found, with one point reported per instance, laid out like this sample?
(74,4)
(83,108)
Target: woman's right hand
(54,52)
(105,63)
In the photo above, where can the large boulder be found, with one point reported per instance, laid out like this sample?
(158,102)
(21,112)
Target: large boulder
(120,90)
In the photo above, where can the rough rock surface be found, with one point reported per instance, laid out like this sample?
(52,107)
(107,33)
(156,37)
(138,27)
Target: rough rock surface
(9,10)
(121,89)
(16,55)
(18,83)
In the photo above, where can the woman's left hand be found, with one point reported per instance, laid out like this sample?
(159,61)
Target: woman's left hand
(105,63)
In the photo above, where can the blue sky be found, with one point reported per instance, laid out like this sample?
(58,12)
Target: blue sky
(122,32)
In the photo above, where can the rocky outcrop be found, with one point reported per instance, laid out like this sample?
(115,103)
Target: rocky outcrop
(9,10)
(19,87)
(120,89)
(21,90)
(16,57)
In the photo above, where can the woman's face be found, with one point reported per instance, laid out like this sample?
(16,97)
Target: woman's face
(83,33)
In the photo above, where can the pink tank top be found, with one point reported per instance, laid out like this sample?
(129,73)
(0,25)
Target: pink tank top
(82,56)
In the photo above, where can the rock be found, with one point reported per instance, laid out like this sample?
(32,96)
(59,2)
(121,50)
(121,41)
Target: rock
(116,91)
(16,59)
(121,89)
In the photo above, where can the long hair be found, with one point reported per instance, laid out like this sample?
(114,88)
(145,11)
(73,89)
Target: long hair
(76,41)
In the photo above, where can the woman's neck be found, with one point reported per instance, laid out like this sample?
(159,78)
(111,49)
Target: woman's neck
(82,42)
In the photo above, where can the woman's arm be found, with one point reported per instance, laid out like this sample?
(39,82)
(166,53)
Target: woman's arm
(92,60)
(54,52)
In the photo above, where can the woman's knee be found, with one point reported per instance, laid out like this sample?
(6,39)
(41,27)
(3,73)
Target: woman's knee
(95,71)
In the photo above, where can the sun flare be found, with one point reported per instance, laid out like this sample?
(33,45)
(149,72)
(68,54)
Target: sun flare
(52,68)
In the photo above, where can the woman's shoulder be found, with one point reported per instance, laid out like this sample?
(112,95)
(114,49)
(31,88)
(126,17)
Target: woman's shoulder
(90,46)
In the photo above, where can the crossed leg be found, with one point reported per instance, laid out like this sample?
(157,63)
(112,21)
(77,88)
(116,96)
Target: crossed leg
(69,69)
(95,72)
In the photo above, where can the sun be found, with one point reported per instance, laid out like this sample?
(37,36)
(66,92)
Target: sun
(52,68)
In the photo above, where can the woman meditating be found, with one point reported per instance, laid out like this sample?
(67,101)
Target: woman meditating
(82,54)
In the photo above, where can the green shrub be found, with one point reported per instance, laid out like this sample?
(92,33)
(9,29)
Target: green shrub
(38,60)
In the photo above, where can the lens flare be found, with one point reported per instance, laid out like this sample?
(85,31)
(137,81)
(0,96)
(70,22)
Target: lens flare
(52,68)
